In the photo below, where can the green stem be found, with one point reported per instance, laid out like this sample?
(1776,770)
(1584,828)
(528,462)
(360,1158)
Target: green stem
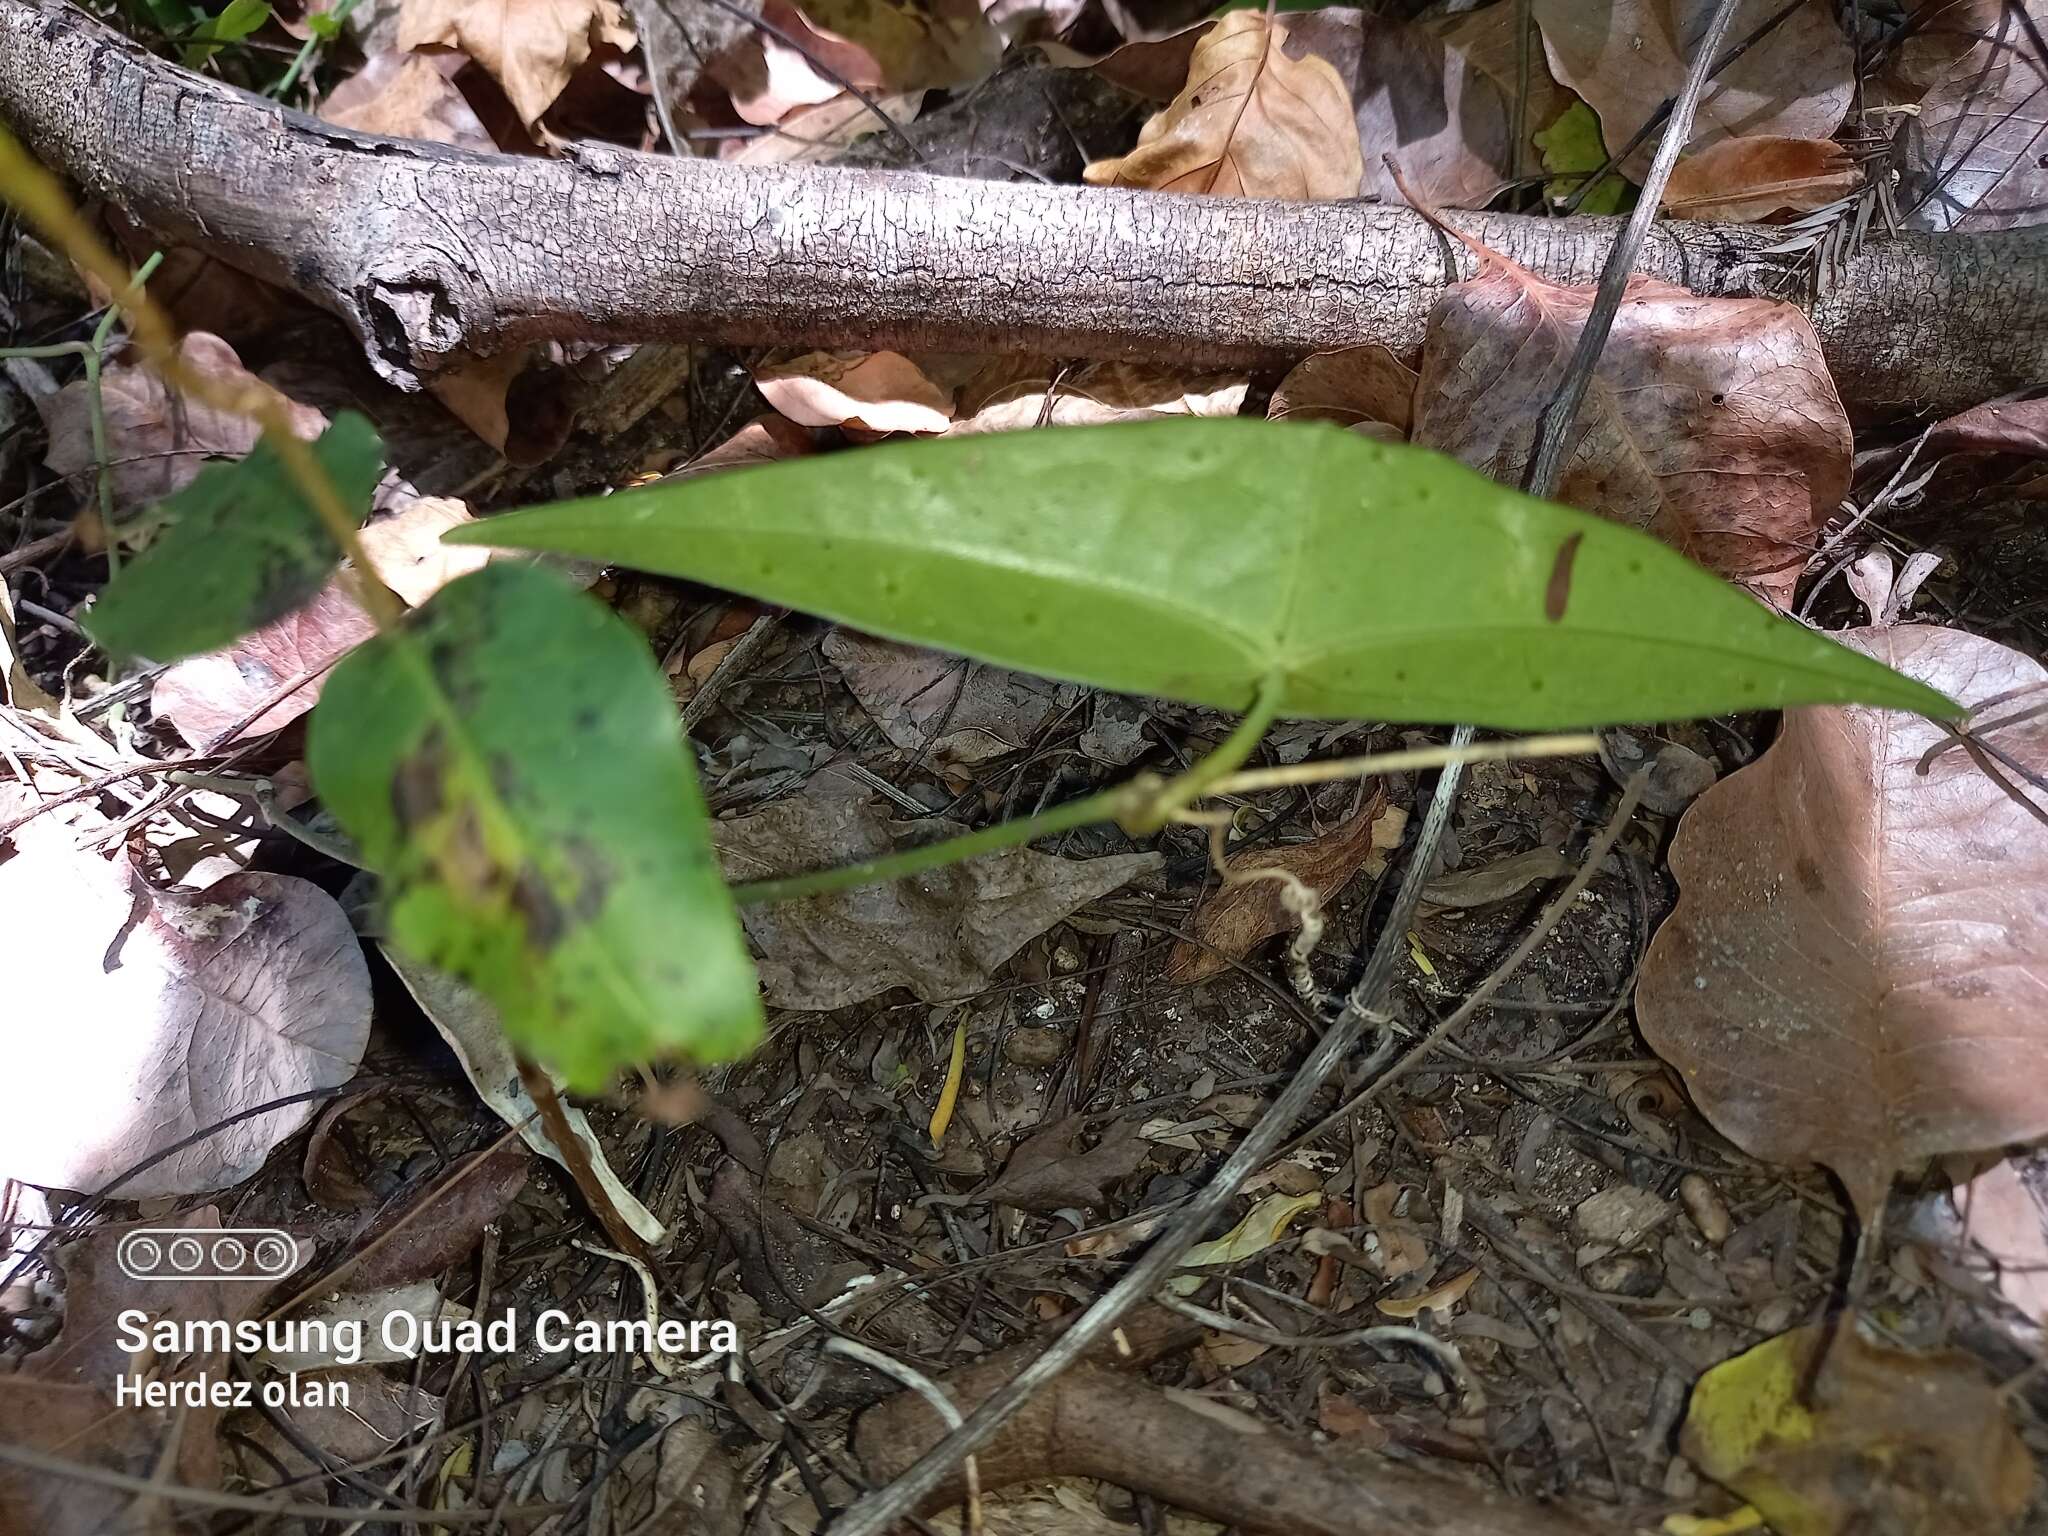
(1140,806)
(1109,805)
(1228,757)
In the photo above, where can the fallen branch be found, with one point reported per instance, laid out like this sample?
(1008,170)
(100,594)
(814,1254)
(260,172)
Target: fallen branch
(1098,1422)
(429,252)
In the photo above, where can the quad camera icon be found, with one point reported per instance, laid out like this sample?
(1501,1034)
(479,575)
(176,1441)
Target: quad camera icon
(230,1253)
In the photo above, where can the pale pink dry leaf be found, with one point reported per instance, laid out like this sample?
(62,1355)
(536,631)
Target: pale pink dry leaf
(880,391)
(2008,1221)
(1252,121)
(770,79)
(808,135)
(530,47)
(60,1400)
(764,440)
(1977,148)
(407,96)
(1628,57)
(1739,181)
(941,933)
(1366,388)
(407,552)
(157,440)
(201,1005)
(1711,422)
(1012,394)
(2001,426)
(1855,971)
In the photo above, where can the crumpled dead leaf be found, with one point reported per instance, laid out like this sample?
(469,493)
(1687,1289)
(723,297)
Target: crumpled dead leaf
(941,933)
(441,1224)
(201,1006)
(1628,57)
(1974,149)
(1252,121)
(158,440)
(1365,388)
(1240,917)
(407,96)
(1829,1434)
(877,391)
(1711,423)
(61,1398)
(956,711)
(1051,1171)
(1739,181)
(208,695)
(1853,973)
(1013,394)
(530,49)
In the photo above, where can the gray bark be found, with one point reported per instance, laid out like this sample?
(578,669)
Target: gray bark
(427,252)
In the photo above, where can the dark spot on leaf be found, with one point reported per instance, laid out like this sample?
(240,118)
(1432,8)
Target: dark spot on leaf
(1559,591)
(546,922)
(419,783)
(1810,877)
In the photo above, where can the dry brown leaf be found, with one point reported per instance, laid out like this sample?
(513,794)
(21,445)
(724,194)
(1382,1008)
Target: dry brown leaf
(206,696)
(1240,917)
(878,391)
(916,44)
(940,933)
(440,1225)
(811,134)
(514,400)
(1739,181)
(1854,971)
(1711,423)
(1013,394)
(158,440)
(1438,1298)
(1051,1171)
(1977,149)
(1829,1434)
(1480,885)
(407,96)
(2001,426)
(1627,57)
(2007,1219)
(530,47)
(202,1006)
(1252,121)
(1366,388)
(60,1400)
(1490,38)
(955,711)
(769,79)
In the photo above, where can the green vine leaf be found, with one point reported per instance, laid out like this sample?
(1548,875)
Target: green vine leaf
(509,760)
(244,546)
(1194,559)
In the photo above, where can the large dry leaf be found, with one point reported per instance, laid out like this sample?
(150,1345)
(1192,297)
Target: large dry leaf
(1711,423)
(157,439)
(1856,969)
(1739,181)
(954,710)
(1977,149)
(1017,393)
(407,96)
(1365,388)
(211,695)
(1245,914)
(150,1016)
(1627,57)
(1252,121)
(878,391)
(61,1399)
(1998,426)
(531,47)
(1829,1434)
(941,933)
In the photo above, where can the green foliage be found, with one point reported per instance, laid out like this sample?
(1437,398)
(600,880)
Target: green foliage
(1196,559)
(510,763)
(244,547)
(240,19)
(1571,145)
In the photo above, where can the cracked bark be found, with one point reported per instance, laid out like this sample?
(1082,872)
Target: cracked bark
(428,252)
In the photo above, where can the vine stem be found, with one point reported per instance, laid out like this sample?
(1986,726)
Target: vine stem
(40,198)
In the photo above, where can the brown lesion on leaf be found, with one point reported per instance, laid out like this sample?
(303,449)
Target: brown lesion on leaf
(1558,591)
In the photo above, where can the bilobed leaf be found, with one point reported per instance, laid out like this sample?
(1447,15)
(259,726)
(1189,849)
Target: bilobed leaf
(244,547)
(1197,559)
(509,761)
(1854,971)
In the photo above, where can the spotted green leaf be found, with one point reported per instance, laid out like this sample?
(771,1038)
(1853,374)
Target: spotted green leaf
(244,546)
(509,760)
(1195,559)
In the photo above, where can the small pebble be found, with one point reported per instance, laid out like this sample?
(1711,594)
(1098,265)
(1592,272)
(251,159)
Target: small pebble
(1709,1212)
(1035,1045)
(1626,1274)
